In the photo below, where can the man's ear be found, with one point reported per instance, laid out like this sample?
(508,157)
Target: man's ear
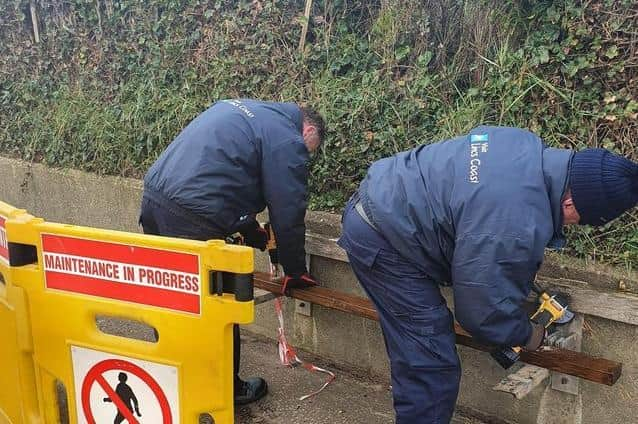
(309,130)
(568,202)
(570,213)
(567,199)
(568,205)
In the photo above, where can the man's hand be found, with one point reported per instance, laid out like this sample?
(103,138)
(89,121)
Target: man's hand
(300,282)
(254,235)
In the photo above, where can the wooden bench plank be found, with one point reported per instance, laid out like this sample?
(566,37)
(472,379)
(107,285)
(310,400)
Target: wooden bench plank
(578,364)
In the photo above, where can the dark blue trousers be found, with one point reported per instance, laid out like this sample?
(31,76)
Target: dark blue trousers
(162,218)
(417,325)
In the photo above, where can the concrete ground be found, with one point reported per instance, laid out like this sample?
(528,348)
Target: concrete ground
(353,398)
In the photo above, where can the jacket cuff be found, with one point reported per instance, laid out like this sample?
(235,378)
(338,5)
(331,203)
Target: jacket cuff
(295,272)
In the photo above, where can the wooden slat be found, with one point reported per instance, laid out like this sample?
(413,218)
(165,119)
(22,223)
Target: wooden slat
(598,370)
(304,26)
(321,296)
(34,22)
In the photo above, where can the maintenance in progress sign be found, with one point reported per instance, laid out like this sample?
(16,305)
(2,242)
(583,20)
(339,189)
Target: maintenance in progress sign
(144,275)
(113,389)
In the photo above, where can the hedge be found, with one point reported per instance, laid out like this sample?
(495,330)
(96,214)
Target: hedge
(108,84)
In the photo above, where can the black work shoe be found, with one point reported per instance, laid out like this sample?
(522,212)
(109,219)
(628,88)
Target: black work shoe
(251,390)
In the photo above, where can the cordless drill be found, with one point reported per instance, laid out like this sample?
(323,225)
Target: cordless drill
(271,247)
(249,224)
(552,309)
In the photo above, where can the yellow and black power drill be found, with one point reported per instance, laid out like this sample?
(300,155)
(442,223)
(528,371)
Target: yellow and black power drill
(552,309)
(249,224)
(271,247)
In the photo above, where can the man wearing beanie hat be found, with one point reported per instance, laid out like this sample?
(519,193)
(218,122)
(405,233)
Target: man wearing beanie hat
(475,212)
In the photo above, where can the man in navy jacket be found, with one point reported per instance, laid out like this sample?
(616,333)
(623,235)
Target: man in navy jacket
(232,161)
(475,212)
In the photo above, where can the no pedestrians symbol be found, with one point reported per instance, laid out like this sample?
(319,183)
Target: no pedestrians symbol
(112,389)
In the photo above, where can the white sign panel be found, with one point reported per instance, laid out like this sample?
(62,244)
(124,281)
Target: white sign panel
(114,389)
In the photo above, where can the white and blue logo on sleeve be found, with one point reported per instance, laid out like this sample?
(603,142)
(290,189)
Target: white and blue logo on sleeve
(478,138)
(478,145)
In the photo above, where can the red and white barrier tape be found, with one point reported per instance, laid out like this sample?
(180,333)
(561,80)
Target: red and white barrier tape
(289,357)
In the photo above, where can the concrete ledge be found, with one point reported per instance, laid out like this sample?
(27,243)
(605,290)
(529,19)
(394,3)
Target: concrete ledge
(586,298)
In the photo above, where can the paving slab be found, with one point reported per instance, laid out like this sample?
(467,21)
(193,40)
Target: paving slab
(353,398)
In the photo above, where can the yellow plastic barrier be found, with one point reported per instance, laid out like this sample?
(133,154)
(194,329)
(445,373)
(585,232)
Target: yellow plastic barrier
(190,292)
(18,398)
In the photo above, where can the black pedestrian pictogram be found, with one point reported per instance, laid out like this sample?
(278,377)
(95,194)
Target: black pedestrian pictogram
(125,393)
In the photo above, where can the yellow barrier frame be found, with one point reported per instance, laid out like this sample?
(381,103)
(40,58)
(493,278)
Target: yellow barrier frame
(18,395)
(197,343)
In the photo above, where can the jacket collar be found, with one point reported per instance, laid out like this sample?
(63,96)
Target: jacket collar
(293,112)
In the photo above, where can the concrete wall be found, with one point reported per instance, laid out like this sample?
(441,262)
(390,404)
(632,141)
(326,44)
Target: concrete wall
(107,202)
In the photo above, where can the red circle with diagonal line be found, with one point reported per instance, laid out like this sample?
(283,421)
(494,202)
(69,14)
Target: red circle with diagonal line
(96,375)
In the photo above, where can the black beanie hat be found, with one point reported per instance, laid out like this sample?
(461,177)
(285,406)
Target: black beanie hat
(603,185)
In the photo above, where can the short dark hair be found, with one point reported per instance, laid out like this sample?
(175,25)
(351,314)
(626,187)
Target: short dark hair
(315,119)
